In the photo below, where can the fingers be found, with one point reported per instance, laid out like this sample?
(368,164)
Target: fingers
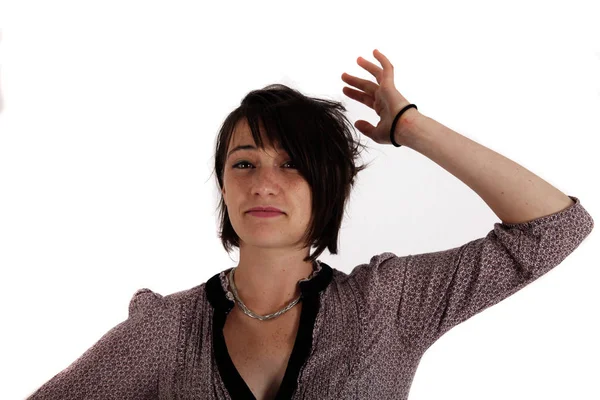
(359,96)
(363,84)
(387,65)
(372,68)
(380,74)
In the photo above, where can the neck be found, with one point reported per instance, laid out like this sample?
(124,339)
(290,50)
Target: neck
(267,281)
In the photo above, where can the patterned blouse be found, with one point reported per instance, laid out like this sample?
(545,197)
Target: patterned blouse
(361,336)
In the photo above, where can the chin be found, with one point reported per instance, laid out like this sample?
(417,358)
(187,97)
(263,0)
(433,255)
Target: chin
(270,239)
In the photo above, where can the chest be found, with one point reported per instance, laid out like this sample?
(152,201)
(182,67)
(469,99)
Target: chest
(260,350)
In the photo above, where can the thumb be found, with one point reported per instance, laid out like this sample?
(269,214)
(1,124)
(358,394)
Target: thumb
(365,127)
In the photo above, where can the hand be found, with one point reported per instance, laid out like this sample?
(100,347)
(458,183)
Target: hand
(383,98)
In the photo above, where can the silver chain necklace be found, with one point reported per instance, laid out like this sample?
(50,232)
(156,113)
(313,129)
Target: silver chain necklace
(246,310)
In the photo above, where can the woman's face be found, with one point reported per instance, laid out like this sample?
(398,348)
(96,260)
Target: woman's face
(252,178)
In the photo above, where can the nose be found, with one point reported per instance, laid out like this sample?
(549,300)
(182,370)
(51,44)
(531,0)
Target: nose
(266,180)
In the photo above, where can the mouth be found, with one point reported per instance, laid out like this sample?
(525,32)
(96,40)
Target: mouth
(265,209)
(264,214)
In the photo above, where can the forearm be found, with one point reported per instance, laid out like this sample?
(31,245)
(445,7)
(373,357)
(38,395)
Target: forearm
(514,193)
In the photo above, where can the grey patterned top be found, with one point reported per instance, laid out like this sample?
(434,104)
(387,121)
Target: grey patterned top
(361,336)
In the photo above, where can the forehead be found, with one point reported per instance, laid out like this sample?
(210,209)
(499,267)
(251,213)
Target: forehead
(242,137)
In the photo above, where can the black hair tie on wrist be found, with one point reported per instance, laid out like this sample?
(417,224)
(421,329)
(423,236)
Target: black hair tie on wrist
(396,120)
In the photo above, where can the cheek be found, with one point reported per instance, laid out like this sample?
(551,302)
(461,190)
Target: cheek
(305,194)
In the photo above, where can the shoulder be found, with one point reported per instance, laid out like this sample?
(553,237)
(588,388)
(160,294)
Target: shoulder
(379,266)
(146,301)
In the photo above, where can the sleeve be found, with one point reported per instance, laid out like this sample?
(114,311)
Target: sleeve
(122,364)
(423,296)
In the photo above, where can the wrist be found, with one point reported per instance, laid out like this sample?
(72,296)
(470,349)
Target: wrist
(407,126)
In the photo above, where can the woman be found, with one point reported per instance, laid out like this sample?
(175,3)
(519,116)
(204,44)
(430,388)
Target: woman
(301,329)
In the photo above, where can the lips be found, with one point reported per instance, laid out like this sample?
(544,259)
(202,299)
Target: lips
(271,209)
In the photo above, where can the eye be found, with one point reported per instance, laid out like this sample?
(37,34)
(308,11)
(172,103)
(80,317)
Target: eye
(240,163)
(235,166)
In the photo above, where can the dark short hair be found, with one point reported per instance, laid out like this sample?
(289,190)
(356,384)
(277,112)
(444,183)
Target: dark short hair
(318,138)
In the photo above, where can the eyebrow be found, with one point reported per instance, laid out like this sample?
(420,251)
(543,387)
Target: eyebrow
(246,147)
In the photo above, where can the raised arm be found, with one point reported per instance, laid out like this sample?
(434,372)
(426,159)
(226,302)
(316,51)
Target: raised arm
(418,298)
(514,193)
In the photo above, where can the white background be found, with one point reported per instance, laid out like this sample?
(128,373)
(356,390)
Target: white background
(109,112)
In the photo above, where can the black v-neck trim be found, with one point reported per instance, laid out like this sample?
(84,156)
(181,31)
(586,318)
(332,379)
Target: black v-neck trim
(236,386)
